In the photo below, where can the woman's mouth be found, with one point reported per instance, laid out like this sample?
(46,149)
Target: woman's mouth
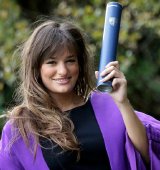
(62,80)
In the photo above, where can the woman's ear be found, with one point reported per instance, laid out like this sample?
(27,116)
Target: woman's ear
(96,74)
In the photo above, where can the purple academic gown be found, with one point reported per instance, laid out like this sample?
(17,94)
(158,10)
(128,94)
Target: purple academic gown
(121,152)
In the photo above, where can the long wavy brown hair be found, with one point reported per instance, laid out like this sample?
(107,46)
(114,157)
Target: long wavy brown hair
(37,112)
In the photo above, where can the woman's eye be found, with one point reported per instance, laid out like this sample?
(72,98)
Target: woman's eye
(71,61)
(51,62)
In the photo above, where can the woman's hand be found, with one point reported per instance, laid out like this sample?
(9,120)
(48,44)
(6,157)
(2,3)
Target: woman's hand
(119,83)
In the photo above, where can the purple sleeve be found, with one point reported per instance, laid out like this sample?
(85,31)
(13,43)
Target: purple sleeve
(18,156)
(153,132)
(7,158)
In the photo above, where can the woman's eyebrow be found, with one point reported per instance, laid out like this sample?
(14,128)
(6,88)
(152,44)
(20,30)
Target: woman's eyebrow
(52,57)
(68,56)
(71,56)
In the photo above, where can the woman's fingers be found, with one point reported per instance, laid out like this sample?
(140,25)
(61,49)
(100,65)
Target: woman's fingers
(111,71)
(115,73)
(109,67)
(108,70)
(113,63)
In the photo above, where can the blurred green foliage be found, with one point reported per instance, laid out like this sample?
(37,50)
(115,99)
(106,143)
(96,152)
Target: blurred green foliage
(13,30)
(138,50)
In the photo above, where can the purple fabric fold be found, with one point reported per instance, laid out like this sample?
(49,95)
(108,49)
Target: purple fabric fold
(112,128)
(116,138)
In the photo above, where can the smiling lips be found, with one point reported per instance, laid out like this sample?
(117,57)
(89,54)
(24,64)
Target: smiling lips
(62,81)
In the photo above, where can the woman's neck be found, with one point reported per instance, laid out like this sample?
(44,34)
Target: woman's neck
(68,101)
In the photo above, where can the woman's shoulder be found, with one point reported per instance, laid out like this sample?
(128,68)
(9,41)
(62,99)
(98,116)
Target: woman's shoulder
(7,129)
(8,132)
(13,150)
(12,141)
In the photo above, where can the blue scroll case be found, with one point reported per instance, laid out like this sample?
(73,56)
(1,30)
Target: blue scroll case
(109,42)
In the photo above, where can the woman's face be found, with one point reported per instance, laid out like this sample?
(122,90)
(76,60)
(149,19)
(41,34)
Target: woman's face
(59,74)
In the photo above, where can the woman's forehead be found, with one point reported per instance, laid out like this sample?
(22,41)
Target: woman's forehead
(59,49)
(64,51)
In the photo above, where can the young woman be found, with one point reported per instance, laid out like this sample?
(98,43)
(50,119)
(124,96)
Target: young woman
(62,122)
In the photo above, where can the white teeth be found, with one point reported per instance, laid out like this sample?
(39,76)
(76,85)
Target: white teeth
(65,80)
(61,79)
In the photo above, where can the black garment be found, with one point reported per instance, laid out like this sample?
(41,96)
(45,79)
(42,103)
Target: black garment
(93,155)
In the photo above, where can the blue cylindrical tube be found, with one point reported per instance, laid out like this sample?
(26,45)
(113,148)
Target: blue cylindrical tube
(109,42)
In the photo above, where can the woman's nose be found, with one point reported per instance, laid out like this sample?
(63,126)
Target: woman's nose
(62,69)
